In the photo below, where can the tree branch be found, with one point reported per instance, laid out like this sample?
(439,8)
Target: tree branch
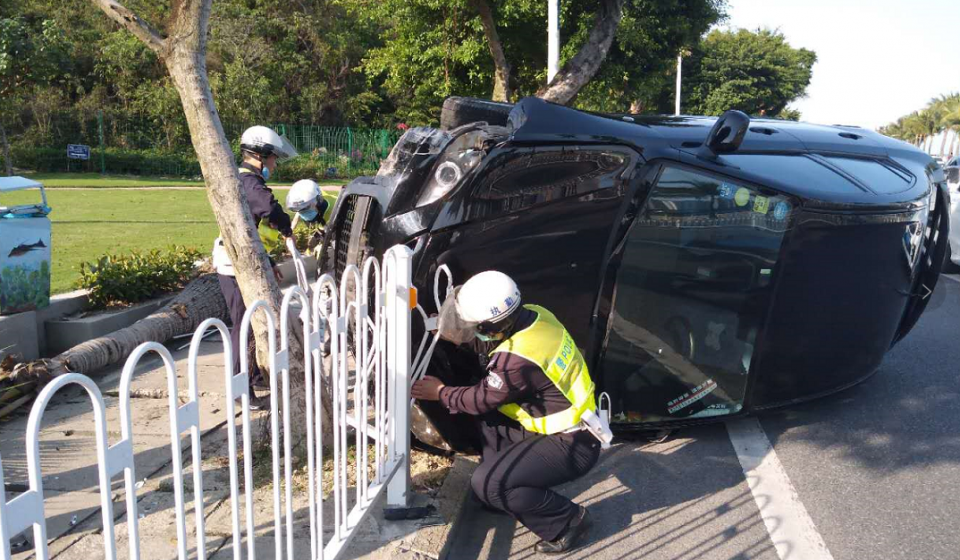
(501,80)
(584,65)
(133,23)
(189,21)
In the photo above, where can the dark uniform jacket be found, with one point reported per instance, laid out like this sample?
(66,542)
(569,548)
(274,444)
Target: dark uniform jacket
(510,379)
(263,205)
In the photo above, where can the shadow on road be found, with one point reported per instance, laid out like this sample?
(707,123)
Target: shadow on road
(904,416)
(682,499)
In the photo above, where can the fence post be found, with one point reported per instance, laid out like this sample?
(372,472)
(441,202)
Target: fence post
(399,315)
(349,149)
(103,164)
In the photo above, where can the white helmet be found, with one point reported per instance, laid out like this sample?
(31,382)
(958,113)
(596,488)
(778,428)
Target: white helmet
(264,141)
(488,297)
(305,199)
(303,195)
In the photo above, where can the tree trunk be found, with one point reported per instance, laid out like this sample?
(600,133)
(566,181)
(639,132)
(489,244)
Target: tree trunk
(200,300)
(580,69)
(7,164)
(184,55)
(953,141)
(943,141)
(501,76)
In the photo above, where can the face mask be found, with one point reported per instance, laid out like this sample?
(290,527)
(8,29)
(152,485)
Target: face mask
(487,337)
(308,215)
(265,172)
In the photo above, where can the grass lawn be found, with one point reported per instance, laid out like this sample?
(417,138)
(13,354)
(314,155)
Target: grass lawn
(88,224)
(95,180)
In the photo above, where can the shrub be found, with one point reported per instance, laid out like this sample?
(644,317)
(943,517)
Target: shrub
(117,280)
(131,162)
(303,236)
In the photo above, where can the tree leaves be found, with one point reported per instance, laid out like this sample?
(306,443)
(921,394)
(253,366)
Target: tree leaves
(756,72)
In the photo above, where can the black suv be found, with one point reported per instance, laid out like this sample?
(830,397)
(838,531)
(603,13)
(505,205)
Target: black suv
(706,266)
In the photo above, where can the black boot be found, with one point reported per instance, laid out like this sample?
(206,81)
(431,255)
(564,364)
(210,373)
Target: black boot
(568,540)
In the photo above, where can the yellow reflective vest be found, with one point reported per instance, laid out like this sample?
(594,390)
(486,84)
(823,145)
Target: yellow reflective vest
(548,344)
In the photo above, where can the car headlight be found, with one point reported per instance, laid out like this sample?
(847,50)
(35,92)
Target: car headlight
(459,159)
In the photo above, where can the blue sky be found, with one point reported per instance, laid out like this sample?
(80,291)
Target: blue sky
(877,59)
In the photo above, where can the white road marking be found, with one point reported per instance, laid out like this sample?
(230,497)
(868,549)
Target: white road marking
(793,533)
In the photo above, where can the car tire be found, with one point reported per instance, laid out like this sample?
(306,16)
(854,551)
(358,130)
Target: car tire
(458,111)
(949,267)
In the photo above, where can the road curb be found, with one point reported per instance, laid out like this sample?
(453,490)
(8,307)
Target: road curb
(434,542)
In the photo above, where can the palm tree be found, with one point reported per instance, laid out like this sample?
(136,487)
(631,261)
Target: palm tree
(951,121)
(941,115)
(914,129)
(940,108)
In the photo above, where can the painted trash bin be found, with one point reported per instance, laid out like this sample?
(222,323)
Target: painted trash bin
(24,247)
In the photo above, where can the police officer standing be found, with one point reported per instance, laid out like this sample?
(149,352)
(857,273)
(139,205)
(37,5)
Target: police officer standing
(531,407)
(261,148)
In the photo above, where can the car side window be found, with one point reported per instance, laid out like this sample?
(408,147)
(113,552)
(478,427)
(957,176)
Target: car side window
(692,289)
(522,178)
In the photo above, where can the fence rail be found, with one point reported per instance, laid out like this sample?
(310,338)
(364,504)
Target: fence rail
(380,343)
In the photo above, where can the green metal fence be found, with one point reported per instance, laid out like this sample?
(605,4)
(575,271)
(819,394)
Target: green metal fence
(139,146)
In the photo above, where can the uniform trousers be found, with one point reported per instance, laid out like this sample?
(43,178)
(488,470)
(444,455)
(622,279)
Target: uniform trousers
(236,308)
(517,477)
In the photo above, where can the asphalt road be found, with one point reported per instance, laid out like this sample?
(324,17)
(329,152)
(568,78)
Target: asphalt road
(876,467)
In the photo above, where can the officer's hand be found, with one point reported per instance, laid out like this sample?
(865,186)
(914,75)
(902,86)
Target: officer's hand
(278,274)
(427,389)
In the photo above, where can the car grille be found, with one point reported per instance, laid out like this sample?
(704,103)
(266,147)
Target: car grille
(342,235)
(933,247)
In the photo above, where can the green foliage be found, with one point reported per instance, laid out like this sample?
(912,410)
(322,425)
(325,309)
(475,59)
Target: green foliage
(303,236)
(135,162)
(940,114)
(30,53)
(24,289)
(126,279)
(332,63)
(433,49)
(758,73)
(640,65)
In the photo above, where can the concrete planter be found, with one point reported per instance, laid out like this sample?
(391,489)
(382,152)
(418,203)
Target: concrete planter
(49,331)
(24,333)
(63,334)
(289,272)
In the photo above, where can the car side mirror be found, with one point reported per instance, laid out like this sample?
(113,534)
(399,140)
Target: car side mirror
(727,133)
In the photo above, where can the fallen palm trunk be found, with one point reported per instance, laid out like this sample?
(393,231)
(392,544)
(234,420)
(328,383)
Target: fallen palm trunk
(200,300)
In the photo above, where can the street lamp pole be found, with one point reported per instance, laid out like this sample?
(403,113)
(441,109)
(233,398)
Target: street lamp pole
(679,67)
(553,38)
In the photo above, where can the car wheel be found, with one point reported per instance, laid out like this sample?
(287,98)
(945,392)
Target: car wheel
(458,111)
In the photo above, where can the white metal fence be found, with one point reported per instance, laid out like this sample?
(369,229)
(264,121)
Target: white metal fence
(367,317)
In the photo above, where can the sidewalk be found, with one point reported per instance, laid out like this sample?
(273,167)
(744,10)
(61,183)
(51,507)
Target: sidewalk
(68,459)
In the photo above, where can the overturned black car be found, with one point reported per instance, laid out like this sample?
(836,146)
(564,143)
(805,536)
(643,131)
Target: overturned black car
(706,266)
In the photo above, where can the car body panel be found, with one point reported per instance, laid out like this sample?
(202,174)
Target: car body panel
(697,285)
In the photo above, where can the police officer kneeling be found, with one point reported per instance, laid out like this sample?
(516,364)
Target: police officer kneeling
(530,405)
